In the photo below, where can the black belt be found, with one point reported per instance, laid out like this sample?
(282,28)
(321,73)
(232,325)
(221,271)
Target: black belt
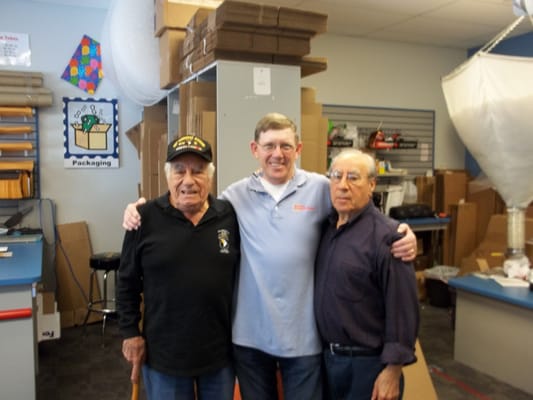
(352,351)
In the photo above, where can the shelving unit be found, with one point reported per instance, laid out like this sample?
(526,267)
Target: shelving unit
(19,156)
(245,91)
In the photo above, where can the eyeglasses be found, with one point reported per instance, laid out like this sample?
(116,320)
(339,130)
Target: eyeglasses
(352,177)
(271,147)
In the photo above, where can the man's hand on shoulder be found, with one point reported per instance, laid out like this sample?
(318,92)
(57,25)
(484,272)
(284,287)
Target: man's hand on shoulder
(132,218)
(405,248)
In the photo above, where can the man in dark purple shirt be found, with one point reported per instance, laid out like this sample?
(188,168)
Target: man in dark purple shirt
(366,302)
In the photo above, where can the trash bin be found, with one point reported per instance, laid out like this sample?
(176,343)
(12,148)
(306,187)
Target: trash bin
(437,289)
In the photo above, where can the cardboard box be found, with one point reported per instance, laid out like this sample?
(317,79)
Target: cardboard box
(134,135)
(208,128)
(169,61)
(311,109)
(234,13)
(46,302)
(239,41)
(462,231)
(199,17)
(198,59)
(421,285)
(163,146)
(73,252)
(145,136)
(425,189)
(450,188)
(307,96)
(249,40)
(488,203)
(295,19)
(195,98)
(173,15)
(48,326)
(196,30)
(314,132)
(293,46)
(308,65)
(491,250)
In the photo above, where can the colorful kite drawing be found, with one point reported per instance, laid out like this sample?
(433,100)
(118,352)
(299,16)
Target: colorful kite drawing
(85,67)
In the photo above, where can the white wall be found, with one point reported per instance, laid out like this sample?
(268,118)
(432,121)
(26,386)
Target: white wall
(97,196)
(360,72)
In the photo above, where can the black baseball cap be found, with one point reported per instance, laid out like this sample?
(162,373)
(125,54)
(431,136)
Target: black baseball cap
(189,144)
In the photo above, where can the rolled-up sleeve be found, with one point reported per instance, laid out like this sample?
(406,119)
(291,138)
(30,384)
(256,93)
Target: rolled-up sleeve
(401,311)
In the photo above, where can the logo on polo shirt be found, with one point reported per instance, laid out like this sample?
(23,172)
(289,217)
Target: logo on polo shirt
(302,207)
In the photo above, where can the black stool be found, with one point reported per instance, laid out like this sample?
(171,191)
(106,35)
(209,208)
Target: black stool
(107,262)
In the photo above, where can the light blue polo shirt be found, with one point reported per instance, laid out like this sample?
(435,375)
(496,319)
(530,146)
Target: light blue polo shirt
(279,240)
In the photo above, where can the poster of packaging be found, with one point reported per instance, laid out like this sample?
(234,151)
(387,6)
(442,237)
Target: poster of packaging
(91,133)
(15,49)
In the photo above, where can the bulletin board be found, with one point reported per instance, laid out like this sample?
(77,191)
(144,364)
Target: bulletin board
(411,124)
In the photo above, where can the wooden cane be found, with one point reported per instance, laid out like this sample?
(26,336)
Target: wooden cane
(135,391)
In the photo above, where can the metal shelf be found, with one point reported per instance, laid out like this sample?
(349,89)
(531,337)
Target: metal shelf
(19,143)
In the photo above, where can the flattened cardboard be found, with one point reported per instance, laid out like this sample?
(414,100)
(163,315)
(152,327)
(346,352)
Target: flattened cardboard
(169,14)
(232,12)
(462,231)
(450,188)
(488,202)
(314,151)
(208,127)
(418,383)
(169,71)
(73,252)
(154,124)
(295,19)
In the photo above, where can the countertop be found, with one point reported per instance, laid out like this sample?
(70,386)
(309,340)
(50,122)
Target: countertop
(520,296)
(24,266)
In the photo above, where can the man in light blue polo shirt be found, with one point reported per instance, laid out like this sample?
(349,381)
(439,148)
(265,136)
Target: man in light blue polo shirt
(280,210)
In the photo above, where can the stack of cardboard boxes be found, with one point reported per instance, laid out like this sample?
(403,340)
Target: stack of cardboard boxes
(191,37)
(313,133)
(476,237)
(150,139)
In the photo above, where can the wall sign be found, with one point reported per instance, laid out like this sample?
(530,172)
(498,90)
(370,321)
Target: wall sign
(91,133)
(15,49)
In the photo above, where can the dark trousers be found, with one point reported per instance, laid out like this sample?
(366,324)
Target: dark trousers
(218,385)
(256,374)
(352,378)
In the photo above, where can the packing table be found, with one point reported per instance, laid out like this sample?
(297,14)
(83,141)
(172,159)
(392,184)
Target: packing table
(493,329)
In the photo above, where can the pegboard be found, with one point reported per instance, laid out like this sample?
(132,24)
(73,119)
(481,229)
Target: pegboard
(411,124)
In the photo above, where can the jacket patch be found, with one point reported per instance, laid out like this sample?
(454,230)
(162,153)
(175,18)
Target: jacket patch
(223,240)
